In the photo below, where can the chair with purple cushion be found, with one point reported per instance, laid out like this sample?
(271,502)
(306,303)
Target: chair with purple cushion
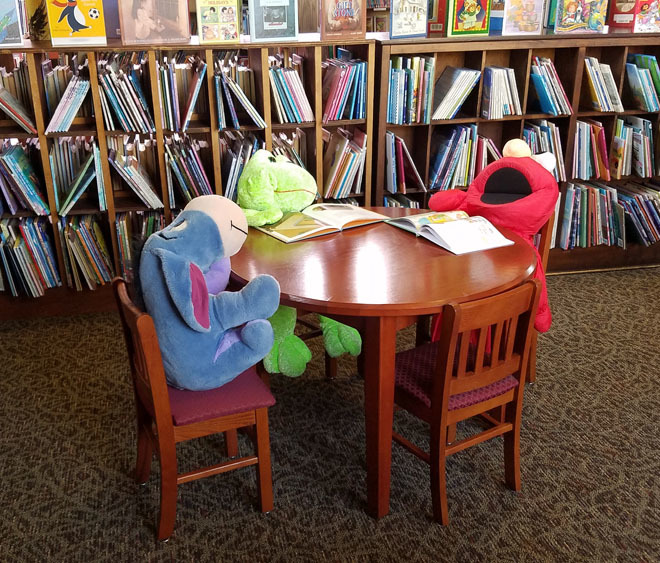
(167,416)
(478,366)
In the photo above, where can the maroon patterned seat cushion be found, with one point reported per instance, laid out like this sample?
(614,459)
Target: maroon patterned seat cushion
(245,393)
(414,372)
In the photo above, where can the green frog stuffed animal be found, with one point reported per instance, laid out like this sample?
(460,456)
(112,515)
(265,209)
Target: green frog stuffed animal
(269,187)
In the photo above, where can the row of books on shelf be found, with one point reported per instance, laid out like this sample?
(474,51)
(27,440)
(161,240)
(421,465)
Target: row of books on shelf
(132,229)
(500,93)
(183,164)
(343,162)
(236,149)
(543,136)
(287,90)
(550,94)
(344,87)
(595,214)
(631,151)
(410,89)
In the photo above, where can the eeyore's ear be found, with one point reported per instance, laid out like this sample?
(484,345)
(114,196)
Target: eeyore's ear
(187,288)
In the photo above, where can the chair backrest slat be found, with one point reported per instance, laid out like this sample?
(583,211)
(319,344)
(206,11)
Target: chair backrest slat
(147,370)
(493,336)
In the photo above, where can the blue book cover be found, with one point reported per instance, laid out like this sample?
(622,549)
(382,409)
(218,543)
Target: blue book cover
(545,101)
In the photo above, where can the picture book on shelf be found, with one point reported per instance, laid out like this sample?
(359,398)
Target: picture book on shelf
(496,17)
(468,17)
(218,21)
(154,22)
(36,16)
(647,17)
(408,18)
(580,16)
(454,231)
(10,29)
(273,20)
(80,23)
(522,17)
(622,14)
(343,19)
(320,219)
(437,15)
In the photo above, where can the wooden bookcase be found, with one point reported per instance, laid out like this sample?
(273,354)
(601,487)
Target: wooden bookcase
(568,54)
(64,300)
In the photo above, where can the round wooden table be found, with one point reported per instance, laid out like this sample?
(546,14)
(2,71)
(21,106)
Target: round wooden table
(379,279)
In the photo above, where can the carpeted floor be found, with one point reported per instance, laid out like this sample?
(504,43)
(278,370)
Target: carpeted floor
(590,455)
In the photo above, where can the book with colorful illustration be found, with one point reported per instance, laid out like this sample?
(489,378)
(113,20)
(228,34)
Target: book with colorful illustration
(343,19)
(468,17)
(218,21)
(408,18)
(76,23)
(580,16)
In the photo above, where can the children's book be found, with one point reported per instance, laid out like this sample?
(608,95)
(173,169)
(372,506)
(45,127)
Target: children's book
(647,17)
(468,17)
(36,16)
(408,18)
(496,17)
(320,219)
(343,19)
(10,28)
(76,23)
(522,17)
(154,22)
(437,16)
(218,21)
(454,231)
(580,16)
(622,14)
(273,20)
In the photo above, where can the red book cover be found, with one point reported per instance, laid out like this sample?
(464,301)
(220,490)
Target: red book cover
(622,14)
(400,171)
(437,16)
(343,19)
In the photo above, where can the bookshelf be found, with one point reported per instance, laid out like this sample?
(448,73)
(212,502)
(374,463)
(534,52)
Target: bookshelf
(568,54)
(203,127)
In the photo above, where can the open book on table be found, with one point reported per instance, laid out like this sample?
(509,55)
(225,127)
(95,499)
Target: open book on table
(320,219)
(453,230)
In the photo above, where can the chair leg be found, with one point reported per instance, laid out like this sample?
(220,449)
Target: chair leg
(531,367)
(512,449)
(168,491)
(264,474)
(144,455)
(330,366)
(231,442)
(438,475)
(451,433)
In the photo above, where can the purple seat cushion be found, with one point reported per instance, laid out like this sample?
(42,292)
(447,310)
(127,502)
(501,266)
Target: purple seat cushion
(244,393)
(414,372)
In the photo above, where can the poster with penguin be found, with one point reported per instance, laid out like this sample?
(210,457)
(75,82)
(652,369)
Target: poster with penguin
(76,22)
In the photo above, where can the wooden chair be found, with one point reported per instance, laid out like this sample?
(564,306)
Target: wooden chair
(462,376)
(167,416)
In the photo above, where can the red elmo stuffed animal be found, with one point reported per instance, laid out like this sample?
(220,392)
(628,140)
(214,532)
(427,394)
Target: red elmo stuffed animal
(517,192)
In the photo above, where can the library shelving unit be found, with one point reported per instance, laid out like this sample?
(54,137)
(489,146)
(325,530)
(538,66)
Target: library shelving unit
(568,53)
(203,126)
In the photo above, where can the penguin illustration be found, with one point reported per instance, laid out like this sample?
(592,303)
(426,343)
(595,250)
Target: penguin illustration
(74,17)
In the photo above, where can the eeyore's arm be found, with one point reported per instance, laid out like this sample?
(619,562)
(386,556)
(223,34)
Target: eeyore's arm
(259,299)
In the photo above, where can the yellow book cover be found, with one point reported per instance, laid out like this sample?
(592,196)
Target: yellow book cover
(218,21)
(37,18)
(76,22)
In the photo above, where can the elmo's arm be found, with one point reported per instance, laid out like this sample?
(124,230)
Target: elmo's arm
(448,200)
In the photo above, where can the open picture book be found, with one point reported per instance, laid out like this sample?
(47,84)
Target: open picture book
(320,219)
(454,231)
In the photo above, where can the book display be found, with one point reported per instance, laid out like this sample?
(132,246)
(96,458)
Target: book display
(408,18)
(273,20)
(580,16)
(70,25)
(153,22)
(576,100)
(468,17)
(218,21)
(343,19)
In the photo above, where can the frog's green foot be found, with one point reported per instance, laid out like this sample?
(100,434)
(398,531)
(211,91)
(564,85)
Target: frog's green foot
(288,357)
(339,338)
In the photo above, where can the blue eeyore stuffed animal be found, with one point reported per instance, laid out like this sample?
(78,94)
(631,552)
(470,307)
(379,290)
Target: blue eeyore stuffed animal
(207,336)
